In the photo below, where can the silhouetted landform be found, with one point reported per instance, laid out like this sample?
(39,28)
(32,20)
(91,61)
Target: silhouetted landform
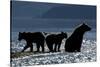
(36,37)
(55,39)
(71,11)
(52,10)
(38,15)
(73,43)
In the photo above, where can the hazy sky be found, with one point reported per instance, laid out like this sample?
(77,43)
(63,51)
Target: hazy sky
(48,10)
(44,15)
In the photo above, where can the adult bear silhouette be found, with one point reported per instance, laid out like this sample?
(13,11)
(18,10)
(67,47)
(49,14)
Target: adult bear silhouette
(55,39)
(73,43)
(36,37)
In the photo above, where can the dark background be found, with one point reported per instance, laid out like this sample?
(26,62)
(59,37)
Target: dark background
(38,15)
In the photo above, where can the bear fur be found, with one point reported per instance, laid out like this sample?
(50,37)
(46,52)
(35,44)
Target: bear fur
(73,43)
(36,37)
(55,40)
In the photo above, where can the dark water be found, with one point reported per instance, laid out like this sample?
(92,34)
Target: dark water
(51,25)
(88,35)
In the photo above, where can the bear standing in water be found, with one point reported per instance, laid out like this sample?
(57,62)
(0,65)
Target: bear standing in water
(73,43)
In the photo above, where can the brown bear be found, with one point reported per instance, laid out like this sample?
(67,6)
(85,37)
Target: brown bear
(73,43)
(55,39)
(36,37)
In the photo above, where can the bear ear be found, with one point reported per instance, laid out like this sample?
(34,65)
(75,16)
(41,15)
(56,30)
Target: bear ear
(23,32)
(61,32)
(83,24)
